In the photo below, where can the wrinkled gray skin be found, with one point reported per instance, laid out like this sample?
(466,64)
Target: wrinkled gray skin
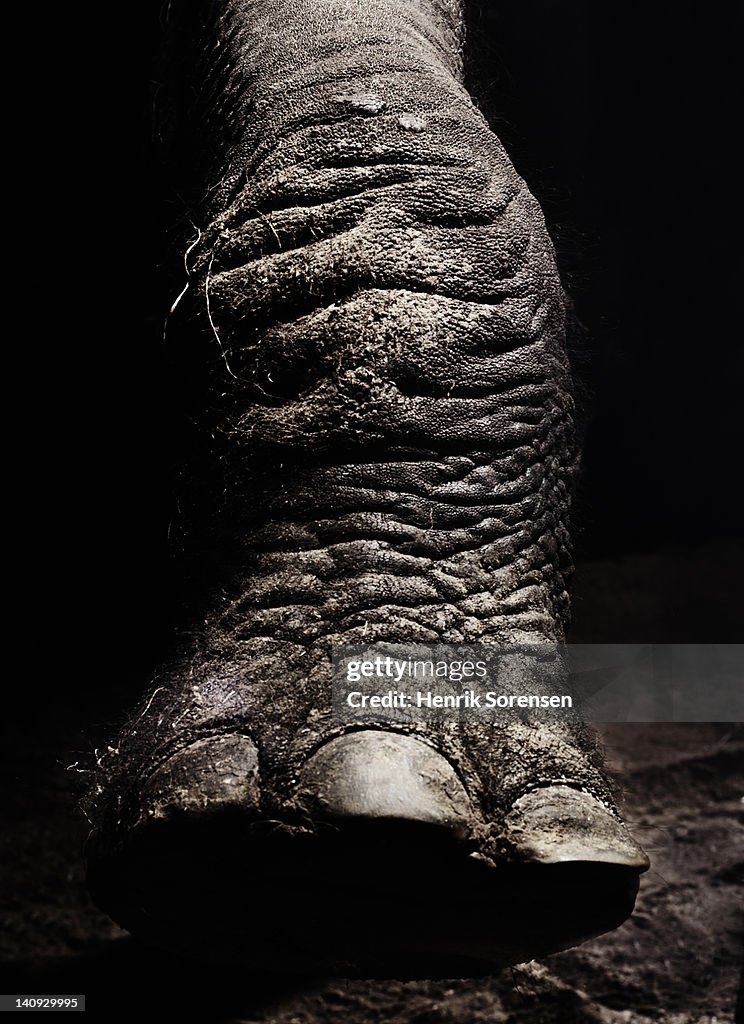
(390,399)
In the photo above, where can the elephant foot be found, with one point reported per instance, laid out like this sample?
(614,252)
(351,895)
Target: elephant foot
(380,871)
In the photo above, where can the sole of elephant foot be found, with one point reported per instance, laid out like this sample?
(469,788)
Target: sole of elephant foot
(389,882)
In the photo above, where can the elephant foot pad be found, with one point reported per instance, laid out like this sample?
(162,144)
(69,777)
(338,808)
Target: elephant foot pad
(389,881)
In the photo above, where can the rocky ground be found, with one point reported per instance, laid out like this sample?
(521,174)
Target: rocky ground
(678,960)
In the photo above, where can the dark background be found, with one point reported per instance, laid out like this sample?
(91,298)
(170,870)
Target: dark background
(623,120)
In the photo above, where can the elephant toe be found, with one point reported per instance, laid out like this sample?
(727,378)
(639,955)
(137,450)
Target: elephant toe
(561,825)
(211,774)
(375,776)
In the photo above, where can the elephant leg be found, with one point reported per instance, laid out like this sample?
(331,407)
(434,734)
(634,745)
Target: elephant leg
(390,460)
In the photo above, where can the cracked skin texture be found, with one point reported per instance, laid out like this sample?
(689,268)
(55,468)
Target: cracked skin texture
(390,399)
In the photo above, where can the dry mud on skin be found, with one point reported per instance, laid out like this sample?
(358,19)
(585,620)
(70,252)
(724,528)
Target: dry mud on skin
(678,960)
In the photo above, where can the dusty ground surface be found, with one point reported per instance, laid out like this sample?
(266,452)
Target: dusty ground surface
(678,960)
